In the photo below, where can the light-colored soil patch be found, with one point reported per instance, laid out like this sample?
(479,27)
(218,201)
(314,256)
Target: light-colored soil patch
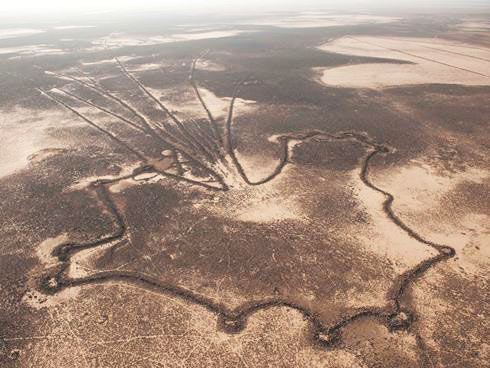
(141,179)
(146,67)
(17,32)
(471,239)
(260,204)
(419,186)
(382,236)
(46,247)
(108,61)
(267,210)
(319,19)
(35,298)
(203,35)
(31,50)
(81,263)
(122,185)
(72,27)
(420,191)
(24,132)
(184,103)
(474,25)
(85,182)
(117,40)
(203,64)
(433,61)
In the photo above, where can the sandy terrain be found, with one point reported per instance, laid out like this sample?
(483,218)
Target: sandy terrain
(25,133)
(118,40)
(426,61)
(31,50)
(182,204)
(474,25)
(17,32)
(72,27)
(183,100)
(112,41)
(321,19)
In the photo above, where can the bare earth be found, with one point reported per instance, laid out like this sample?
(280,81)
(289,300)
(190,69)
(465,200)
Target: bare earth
(427,61)
(303,190)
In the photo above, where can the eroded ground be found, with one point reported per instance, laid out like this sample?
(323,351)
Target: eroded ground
(205,196)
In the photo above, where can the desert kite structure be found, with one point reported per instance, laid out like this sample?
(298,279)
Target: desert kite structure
(202,153)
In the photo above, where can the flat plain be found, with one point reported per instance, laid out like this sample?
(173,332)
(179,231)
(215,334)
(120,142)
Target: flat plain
(292,190)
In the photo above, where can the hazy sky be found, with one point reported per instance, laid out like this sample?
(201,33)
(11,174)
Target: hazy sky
(19,7)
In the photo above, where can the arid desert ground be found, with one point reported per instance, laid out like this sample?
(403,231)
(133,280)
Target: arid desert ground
(290,190)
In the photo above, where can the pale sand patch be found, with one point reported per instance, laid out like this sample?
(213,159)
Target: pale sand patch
(145,67)
(107,61)
(117,40)
(72,27)
(184,103)
(98,62)
(434,61)
(417,189)
(264,203)
(38,300)
(18,32)
(31,50)
(24,132)
(467,233)
(258,167)
(382,236)
(81,263)
(145,178)
(204,35)
(44,249)
(265,209)
(471,232)
(203,64)
(76,268)
(474,25)
(122,185)
(85,182)
(161,164)
(418,186)
(320,19)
